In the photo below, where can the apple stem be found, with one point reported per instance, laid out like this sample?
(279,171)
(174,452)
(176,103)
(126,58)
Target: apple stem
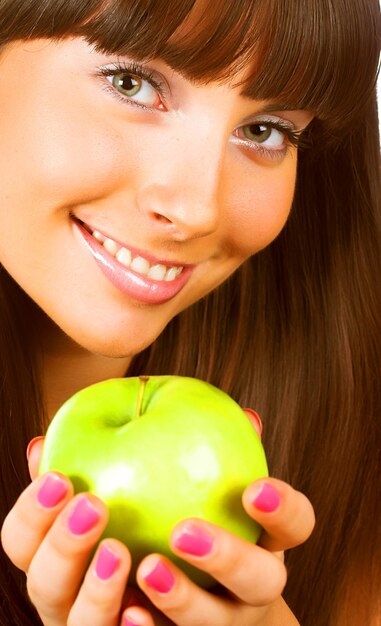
(143,382)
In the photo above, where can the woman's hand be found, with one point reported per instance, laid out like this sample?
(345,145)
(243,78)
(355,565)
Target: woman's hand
(253,575)
(50,535)
(52,542)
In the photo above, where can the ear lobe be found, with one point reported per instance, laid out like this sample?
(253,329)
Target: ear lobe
(33,455)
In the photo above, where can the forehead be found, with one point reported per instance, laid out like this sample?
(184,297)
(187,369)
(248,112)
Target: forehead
(280,45)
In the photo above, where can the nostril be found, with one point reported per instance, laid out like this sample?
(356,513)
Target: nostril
(161,218)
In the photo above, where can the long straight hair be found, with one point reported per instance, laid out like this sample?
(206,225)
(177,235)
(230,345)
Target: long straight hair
(295,331)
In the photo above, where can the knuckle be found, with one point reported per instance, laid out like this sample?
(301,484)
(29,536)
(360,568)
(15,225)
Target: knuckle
(227,556)
(13,548)
(75,618)
(303,523)
(100,596)
(271,586)
(95,609)
(64,547)
(278,581)
(45,598)
(6,536)
(311,520)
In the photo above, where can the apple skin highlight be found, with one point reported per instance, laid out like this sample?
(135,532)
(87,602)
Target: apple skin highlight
(158,450)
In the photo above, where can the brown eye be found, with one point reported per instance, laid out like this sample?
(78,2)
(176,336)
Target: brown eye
(264,135)
(135,89)
(257,132)
(127,84)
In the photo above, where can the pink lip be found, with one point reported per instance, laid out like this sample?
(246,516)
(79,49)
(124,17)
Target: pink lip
(131,283)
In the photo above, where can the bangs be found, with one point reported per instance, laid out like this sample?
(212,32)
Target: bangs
(319,55)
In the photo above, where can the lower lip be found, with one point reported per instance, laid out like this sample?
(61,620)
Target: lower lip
(133,285)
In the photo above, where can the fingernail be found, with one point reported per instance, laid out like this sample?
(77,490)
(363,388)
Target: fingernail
(130,619)
(52,491)
(194,540)
(255,420)
(107,563)
(31,445)
(268,499)
(160,578)
(83,518)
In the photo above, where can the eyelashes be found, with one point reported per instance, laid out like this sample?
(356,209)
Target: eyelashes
(273,130)
(149,91)
(137,71)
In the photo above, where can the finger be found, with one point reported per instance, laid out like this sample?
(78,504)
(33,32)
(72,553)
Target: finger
(286,515)
(99,600)
(56,571)
(251,573)
(181,600)
(136,616)
(33,454)
(32,516)
(140,605)
(255,420)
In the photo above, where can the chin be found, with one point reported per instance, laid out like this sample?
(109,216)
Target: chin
(110,332)
(117,344)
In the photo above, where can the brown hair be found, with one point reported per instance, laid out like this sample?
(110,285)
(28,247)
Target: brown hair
(295,332)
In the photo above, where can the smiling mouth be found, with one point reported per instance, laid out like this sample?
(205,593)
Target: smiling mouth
(138,275)
(135,261)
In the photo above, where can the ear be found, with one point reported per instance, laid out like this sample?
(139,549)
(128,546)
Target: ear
(33,454)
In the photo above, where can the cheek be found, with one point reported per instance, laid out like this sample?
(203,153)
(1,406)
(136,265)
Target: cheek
(56,154)
(261,204)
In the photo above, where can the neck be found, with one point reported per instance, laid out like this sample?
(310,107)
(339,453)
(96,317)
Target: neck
(68,368)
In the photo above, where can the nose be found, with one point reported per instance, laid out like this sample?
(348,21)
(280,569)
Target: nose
(181,191)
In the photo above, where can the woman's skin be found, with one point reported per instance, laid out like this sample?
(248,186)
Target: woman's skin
(178,182)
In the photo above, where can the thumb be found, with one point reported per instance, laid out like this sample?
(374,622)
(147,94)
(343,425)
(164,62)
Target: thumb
(33,455)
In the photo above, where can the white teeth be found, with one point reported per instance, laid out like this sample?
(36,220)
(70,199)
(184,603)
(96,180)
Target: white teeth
(157,272)
(140,265)
(98,236)
(111,246)
(124,256)
(172,273)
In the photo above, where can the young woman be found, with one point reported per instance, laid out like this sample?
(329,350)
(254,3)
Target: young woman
(192,188)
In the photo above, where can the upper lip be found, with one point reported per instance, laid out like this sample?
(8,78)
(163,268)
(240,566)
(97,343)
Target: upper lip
(135,251)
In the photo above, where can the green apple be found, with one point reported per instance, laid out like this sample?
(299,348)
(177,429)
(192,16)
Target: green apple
(157,450)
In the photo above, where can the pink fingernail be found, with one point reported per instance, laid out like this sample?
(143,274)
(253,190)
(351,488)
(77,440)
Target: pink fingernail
(194,540)
(31,445)
(107,563)
(52,491)
(84,517)
(255,420)
(129,621)
(160,578)
(268,499)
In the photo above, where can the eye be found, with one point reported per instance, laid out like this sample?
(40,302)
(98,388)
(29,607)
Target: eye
(135,84)
(264,134)
(135,87)
(269,139)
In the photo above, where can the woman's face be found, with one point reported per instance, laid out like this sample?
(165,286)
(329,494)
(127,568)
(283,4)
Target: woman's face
(173,174)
